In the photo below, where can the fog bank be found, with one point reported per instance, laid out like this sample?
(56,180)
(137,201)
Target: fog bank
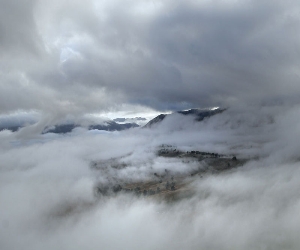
(47,186)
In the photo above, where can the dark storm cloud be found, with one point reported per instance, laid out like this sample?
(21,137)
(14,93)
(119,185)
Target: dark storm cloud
(232,50)
(79,57)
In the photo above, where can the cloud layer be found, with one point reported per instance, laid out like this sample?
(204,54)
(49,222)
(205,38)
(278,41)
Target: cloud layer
(60,59)
(47,187)
(77,57)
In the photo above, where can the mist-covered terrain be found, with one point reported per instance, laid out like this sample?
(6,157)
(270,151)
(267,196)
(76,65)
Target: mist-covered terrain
(110,131)
(48,200)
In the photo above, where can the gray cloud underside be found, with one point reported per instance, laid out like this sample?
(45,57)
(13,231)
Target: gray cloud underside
(74,57)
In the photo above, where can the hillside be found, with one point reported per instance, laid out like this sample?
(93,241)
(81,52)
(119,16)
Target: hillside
(199,114)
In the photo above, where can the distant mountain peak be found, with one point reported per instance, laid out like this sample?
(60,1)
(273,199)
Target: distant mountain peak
(199,114)
(107,126)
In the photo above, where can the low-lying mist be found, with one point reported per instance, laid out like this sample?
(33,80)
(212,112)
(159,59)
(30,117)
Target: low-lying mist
(47,186)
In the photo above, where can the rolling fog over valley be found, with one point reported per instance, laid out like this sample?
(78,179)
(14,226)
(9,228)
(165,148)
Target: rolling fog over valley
(149,125)
(48,186)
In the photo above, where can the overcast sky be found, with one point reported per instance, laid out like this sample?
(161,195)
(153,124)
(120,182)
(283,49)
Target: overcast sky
(62,57)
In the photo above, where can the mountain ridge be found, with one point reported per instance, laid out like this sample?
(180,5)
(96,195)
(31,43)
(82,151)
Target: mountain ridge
(108,126)
(200,114)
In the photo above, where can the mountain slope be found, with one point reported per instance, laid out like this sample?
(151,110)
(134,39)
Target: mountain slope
(108,126)
(199,114)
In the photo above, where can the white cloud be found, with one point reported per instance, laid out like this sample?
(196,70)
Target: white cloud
(47,187)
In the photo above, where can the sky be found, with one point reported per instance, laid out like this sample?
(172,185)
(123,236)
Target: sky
(72,60)
(97,56)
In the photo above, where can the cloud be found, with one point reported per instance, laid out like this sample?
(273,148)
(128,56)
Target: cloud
(78,59)
(61,59)
(18,29)
(47,186)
